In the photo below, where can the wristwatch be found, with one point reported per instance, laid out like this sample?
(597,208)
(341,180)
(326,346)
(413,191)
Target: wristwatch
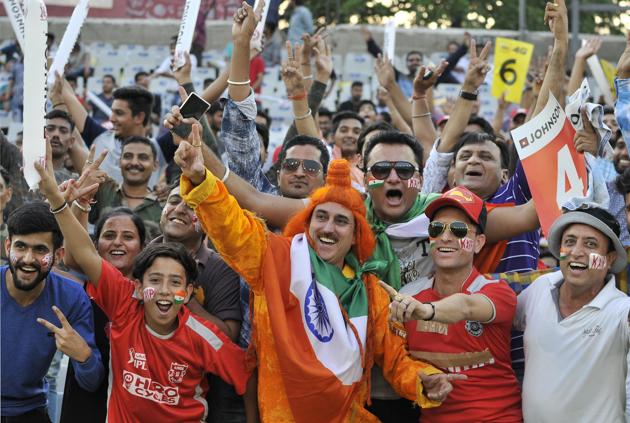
(472,96)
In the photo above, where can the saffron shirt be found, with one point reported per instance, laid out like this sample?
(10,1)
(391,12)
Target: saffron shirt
(263,261)
(480,350)
(157,377)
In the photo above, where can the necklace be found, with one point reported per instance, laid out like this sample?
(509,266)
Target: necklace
(131,196)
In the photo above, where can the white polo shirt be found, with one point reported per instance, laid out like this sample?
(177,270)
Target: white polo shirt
(575,368)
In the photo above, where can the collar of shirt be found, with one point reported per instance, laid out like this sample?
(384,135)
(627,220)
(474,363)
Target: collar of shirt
(608,293)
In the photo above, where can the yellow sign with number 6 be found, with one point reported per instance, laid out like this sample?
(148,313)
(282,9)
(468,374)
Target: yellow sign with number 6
(511,62)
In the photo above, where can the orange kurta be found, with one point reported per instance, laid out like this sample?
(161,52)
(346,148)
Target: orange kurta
(263,260)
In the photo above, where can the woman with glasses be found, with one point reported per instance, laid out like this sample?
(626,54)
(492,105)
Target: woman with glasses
(459,320)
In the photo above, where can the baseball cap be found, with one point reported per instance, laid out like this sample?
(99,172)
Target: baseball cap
(597,218)
(463,199)
(519,111)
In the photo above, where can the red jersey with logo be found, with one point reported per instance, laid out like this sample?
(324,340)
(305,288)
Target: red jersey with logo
(156,377)
(479,350)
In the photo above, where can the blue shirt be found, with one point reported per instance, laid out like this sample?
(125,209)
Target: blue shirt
(27,348)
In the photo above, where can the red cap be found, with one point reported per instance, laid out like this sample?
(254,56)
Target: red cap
(519,111)
(463,199)
(441,120)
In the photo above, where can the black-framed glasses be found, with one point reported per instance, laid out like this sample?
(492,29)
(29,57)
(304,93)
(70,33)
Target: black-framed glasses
(457,228)
(311,167)
(381,170)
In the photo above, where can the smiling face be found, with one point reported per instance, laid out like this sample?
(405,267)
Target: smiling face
(119,243)
(611,122)
(178,221)
(332,232)
(576,246)
(31,257)
(123,122)
(137,163)
(621,158)
(299,184)
(478,168)
(395,197)
(166,278)
(346,137)
(448,251)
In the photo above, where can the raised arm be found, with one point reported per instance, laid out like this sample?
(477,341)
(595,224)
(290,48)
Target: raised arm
(63,96)
(386,75)
(556,18)
(296,92)
(245,20)
(579,63)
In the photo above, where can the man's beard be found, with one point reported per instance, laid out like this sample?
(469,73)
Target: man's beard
(27,286)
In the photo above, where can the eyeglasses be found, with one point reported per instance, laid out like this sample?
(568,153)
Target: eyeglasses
(459,229)
(310,167)
(381,170)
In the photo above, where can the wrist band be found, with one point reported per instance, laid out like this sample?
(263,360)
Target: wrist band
(433,314)
(230,82)
(59,209)
(421,115)
(418,97)
(83,209)
(300,96)
(59,104)
(303,117)
(226,174)
(468,96)
(308,77)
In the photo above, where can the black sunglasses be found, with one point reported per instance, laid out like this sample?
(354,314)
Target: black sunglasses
(381,170)
(459,229)
(310,167)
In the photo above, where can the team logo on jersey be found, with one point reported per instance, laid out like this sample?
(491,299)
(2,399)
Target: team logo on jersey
(146,388)
(177,372)
(474,328)
(139,360)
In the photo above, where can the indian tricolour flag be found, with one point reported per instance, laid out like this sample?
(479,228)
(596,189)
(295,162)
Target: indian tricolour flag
(319,353)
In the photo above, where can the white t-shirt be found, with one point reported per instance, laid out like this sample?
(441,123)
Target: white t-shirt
(575,368)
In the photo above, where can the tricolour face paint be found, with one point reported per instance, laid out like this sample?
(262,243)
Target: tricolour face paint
(375,183)
(414,183)
(431,242)
(148,293)
(597,261)
(466,244)
(180,296)
(564,253)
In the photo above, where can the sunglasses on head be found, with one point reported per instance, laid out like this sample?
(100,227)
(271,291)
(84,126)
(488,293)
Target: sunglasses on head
(310,167)
(459,229)
(381,170)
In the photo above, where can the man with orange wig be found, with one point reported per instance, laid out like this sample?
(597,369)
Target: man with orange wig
(320,319)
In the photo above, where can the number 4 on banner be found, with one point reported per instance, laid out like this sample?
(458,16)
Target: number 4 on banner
(567,176)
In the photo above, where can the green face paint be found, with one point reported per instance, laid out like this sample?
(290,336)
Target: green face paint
(564,253)
(375,183)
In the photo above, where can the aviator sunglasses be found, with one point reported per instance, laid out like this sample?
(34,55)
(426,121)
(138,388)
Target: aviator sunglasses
(310,167)
(381,170)
(459,229)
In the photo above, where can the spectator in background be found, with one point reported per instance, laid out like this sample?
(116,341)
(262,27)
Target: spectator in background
(301,22)
(79,62)
(256,72)
(143,80)
(610,120)
(16,88)
(272,46)
(199,39)
(367,110)
(215,116)
(324,120)
(263,136)
(356,94)
(5,196)
(106,96)
(263,118)
(59,132)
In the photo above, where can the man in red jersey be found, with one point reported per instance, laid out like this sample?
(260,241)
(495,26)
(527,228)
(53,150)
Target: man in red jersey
(458,320)
(160,352)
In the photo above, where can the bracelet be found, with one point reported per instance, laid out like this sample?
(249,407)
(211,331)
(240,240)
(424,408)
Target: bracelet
(308,77)
(226,174)
(421,115)
(59,104)
(83,209)
(59,209)
(433,314)
(300,96)
(418,97)
(303,117)
(468,96)
(230,82)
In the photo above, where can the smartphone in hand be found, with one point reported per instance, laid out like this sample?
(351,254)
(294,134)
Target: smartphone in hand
(193,107)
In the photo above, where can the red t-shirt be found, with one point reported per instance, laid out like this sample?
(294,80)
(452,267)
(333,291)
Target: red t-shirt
(479,350)
(256,67)
(159,378)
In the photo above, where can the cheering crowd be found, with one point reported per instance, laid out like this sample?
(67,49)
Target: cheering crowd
(389,266)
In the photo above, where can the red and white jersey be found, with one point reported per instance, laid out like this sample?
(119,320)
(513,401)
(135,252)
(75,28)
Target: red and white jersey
(480,350)
(154,377)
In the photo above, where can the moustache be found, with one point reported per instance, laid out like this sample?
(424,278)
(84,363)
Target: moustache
(132,167)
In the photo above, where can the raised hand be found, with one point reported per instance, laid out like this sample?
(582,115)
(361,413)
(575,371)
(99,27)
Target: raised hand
(291,73)
(478,67)
(309,41)
(556,18)
(426,77)
(245,21)
(56,91)
(183,73)
(438,386)
(48,184)
(67,339)
(384,72)
(586,140)
(590,48)
(189,157)
(323,58)
(623,66)
(92,176)
(174,118)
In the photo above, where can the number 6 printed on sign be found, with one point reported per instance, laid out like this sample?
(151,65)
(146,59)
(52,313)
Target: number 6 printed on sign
(511,62)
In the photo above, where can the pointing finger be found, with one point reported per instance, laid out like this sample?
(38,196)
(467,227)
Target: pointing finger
(390,291)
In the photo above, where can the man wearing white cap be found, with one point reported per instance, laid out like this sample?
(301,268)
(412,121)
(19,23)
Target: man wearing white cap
(576,325)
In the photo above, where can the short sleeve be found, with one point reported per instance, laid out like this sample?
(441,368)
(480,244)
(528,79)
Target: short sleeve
(503,300)
(91,130)
(114,293)
(222,290)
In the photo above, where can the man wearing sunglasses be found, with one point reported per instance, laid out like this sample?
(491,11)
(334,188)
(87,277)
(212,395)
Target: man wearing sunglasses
(459,320)
(303,166)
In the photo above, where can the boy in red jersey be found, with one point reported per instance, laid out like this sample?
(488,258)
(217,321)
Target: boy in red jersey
(159,350)
(458,320)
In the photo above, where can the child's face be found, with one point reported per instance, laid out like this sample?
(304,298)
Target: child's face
(165,290)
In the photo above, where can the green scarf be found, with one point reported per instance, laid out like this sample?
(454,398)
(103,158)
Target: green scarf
(384,259)
(352,294)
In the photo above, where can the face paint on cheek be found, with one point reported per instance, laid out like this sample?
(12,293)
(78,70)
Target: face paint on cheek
(196,223)
(466,244)
(597,261)
(46,261)
(148,293)
(564,253)
(431,243)
(13,258)
(414,183)
(180,296)
(374,183)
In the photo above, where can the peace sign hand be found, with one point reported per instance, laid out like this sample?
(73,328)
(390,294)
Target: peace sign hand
(404,308)
(477,68)
(67,339)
